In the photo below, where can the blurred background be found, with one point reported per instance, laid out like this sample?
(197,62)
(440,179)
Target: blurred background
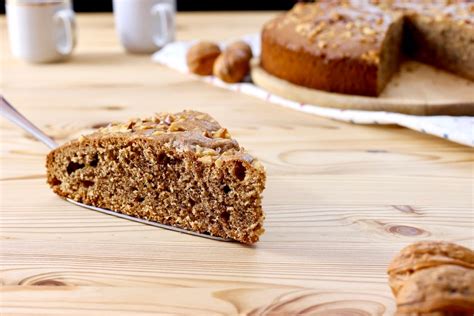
(188,5)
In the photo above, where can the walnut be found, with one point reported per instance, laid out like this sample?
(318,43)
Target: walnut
(302,28)
(158,133)
(438,291)
(221,133)
(176,126)
(219,162)
(120,128)
(368,31)
(234,63)
(335,16)
(439,18)
(317,30)
(433,277)
(145,127)
(258,165)
(243,46)
(169,119)
(201,57)
(207,160)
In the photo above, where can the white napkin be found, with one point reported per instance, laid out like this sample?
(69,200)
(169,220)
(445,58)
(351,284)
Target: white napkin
(459,129)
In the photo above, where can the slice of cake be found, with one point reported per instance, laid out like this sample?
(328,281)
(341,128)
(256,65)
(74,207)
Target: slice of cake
(179,169)
(334,46)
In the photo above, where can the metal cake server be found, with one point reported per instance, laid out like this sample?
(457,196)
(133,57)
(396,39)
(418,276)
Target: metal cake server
(11,114)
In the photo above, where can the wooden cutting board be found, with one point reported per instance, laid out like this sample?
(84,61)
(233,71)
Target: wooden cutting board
(417,89)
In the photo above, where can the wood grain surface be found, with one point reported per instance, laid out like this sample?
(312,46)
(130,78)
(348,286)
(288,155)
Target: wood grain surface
(417,89)
(341,199)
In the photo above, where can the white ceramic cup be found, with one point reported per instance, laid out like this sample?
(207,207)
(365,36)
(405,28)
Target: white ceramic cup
(144,26)
(41,31)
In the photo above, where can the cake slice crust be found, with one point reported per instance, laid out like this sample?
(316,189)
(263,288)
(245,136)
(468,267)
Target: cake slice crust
(181,169)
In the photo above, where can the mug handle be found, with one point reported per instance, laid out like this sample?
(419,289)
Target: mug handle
(66,18)
(163,12)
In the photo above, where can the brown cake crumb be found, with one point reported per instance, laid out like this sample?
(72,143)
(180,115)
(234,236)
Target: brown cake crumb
(180,169)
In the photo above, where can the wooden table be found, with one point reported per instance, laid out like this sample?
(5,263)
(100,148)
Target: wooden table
(341,199)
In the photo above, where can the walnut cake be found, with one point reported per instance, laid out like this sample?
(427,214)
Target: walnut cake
(181,169)
(355,46)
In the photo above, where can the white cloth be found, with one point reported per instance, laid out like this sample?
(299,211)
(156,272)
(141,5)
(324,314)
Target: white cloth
(459,129)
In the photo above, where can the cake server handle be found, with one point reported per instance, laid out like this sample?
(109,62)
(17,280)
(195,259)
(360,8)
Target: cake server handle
(10,113)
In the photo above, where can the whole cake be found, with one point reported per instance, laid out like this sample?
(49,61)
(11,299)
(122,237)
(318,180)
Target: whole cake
(354,47)
(179,169)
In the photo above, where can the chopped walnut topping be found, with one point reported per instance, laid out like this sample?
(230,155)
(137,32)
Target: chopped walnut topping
(158,133)
(145,127)
(322,44)
(318,29)
(298,8)
(330,34)
(371,56)
(258,165)
(205,151)
(368,31)
(120,128)
(439,18)
(335,16)
(169,119)
(218,163)
(221,133)
(302,28)
(176,126)
(205,160)
(426,19)
(131,123)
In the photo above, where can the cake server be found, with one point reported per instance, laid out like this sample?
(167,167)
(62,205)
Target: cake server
(11,114)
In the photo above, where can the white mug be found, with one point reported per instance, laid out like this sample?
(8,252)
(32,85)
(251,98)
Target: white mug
(41,31)
(144,26)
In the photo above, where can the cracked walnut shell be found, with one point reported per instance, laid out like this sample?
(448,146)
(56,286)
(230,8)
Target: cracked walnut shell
(433,278)
(426,254)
